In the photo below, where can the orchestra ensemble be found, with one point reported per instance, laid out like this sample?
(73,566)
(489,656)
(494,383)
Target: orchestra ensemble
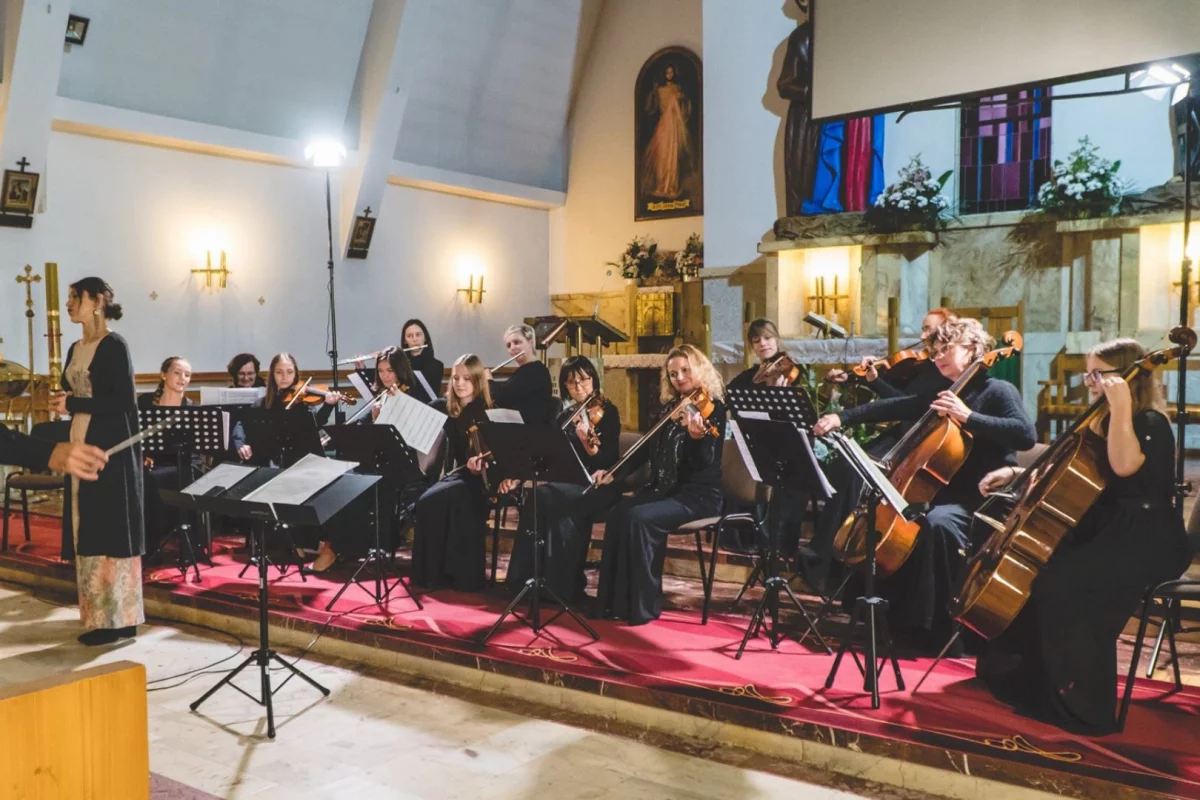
(1056,660)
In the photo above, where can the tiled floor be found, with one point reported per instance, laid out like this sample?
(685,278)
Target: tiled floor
(373,739)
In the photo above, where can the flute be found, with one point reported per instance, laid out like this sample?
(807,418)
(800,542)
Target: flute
(378,354)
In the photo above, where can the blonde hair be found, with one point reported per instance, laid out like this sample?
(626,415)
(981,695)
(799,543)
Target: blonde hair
(964,331)
(762,328)
(475,371)
(526,332)
(1145,388)
(702,369)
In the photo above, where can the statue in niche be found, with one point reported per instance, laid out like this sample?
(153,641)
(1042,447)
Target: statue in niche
(668,174)
(801,134)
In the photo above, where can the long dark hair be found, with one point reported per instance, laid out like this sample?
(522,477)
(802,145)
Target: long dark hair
(162,382)
(99,289)
(398,361)
(273,391)
(576,365)
(240,360)
(426,355)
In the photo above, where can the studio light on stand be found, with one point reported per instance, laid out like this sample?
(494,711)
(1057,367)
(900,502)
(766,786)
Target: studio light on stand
(328,155)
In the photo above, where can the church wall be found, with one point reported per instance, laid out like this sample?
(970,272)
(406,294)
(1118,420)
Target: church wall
(597,221)
(141,217)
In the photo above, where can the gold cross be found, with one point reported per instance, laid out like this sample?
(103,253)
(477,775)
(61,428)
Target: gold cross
(29,280)
(153,295)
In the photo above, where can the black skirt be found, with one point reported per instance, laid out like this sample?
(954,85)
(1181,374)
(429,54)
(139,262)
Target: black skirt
(450,539)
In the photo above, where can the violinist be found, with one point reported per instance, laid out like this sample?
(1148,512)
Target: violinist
(764,341)
(175,375)
(816,556)
(565,511)
(449,541)
(529,389)
(685,485)
(415,334)
(989,409)
(1058,659)
(245,372)
(283,376)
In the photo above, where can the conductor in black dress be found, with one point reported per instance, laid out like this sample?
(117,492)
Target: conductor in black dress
(989,409)
(415,334)
(1058,659)
(565,512)
(685,485)
(450,536)
(529,389)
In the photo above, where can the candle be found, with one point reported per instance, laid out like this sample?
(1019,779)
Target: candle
(51,287)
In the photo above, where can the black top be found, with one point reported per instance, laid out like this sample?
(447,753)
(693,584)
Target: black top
(23,451)
(678,461)
(457,440)
(998,422)
(528,390)
(431,368)
(145,401)
(110,522)
(745,378)
(609,431)
(237,437)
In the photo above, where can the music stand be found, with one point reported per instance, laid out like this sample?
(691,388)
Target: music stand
(536,453)
(869,609)
(281,437)
(379,450)
(193,431)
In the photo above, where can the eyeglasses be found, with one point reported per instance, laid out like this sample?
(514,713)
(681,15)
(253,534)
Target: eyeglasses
(1095,376)
(578,380)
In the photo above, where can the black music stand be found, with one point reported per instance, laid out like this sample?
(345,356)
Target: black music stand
(536,453)
(194,431)
(316,510)
(869,609)
(779,452)
(379,450)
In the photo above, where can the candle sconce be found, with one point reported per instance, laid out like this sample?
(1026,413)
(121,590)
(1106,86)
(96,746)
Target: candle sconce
(208,272)
(826,303)
(474,294)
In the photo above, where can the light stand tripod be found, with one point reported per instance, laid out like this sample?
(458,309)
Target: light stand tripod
(339,416)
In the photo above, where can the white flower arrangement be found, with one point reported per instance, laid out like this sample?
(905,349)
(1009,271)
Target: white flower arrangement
(913,202)
(640,259)
(1085,185)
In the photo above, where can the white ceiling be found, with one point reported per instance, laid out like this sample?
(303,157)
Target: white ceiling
(490,98)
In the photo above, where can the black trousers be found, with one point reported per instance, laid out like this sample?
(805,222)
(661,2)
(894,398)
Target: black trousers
(450,539)
(918,594)
(635,546)
(565,517)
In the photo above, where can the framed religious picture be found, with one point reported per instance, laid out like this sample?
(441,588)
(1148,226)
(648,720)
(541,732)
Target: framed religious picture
(19,192)
(360,237)
(77,29)
(668,136)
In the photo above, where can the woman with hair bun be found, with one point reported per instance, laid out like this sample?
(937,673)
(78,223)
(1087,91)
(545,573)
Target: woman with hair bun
(103,528)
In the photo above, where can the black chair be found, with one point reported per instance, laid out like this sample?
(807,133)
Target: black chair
(1168,594)
(29,481)
(1171,610)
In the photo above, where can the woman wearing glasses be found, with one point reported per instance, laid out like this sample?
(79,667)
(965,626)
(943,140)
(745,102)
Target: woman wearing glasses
(992,412)
(1058,659)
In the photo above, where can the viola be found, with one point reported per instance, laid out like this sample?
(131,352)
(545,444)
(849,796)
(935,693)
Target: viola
(920,465)
(775,366)
(900,365)
(593,408)
(311,394)
(1031,516)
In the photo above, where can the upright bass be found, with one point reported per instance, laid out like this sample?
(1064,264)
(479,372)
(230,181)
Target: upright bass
(1046,502)
(920,465)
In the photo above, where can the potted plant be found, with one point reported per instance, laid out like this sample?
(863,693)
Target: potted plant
(1085,185)
(913,203)
(688,261)
(640,259)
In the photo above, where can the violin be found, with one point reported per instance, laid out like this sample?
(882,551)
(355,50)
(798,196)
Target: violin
(775,366)
(311,395)
(900,364)
(593,407)
(703,404)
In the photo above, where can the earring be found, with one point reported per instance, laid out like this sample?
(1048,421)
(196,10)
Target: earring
(95,312)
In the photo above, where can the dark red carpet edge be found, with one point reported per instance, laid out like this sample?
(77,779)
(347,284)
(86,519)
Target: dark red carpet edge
(678,664)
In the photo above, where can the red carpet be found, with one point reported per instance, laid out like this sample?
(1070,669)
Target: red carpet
(679,664)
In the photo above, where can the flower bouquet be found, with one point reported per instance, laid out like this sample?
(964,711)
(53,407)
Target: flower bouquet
(913,203)
(640,260)
(1085,185)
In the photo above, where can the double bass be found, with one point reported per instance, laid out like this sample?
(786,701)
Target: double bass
(1047,501)
(920,465)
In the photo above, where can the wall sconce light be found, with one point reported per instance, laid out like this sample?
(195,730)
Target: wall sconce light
(208,272)
(474,293)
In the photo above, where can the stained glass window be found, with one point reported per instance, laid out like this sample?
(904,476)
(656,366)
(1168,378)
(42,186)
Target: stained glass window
(1004,151)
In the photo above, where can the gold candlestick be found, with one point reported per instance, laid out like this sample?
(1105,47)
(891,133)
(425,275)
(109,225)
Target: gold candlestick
(53,327)
(29,279)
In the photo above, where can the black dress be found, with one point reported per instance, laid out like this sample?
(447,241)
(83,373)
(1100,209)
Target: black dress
(566,514)
(528,390)
(110,509)
(24,451)
(431,369)
(450,536)
(1058,659)
(685,485)
(919,592)
(816,557)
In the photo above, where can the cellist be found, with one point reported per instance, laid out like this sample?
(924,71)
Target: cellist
(1058,659)
(992,411)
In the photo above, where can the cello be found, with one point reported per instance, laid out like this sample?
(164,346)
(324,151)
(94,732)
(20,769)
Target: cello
(1047,501)
(920,465)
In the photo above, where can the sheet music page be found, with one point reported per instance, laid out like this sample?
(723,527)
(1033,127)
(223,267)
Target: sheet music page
(223,475)
(357,382)
(744,448)
(419,423)
(504,415)
(300,481)
(230,396)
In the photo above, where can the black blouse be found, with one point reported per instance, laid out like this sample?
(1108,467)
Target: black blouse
(528,390)
(431,368)
(457,439)
(678,461)
(609,431)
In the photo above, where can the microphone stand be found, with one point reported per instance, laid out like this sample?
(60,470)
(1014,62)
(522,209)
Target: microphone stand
(339,416)
(1185,290)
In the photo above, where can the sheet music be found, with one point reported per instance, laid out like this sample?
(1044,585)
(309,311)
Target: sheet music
(825,484)
(364,390)
(508,415)
(224,476)
(300,481)
(230,396)
(419,423)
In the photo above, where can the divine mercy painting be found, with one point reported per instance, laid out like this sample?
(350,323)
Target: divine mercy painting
(668,160)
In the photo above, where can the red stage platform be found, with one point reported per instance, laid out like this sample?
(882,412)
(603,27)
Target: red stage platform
(681,665)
